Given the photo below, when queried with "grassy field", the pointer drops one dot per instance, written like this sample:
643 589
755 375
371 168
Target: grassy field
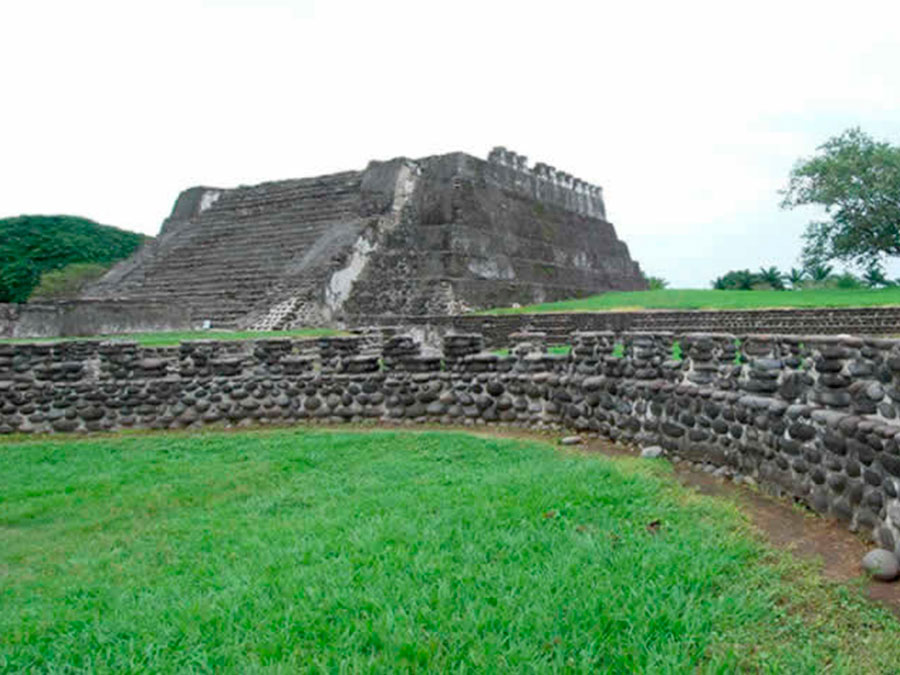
710 299
283 550
173 338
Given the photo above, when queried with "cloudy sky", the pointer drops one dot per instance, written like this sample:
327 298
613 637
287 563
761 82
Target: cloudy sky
689 114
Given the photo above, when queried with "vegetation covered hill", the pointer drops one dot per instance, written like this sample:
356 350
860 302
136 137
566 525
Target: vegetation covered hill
32 245
690 298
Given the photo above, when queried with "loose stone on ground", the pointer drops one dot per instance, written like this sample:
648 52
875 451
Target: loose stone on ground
881 564
652 452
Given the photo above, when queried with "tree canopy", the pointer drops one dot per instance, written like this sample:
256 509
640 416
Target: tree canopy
857 181
32 245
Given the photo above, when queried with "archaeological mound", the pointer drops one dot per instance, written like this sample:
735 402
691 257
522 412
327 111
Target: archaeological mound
432 236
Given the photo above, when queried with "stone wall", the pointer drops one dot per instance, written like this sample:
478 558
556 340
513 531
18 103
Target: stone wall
9 317
559 326
545 183
811 417
90 317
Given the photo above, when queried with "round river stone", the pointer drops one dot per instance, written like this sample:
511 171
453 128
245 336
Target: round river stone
881 564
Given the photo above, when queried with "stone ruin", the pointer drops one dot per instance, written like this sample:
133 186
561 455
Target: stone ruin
810 417
432 236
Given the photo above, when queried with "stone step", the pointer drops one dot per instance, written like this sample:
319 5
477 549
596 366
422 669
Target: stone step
234 254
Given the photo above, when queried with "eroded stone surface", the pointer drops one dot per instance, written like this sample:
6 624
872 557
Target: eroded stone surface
435 235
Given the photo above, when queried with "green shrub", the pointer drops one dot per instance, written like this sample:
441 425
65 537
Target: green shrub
738 357
655 283
68 282
847 281
768 278
736 280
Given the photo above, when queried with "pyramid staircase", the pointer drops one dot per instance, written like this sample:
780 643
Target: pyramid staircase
234 252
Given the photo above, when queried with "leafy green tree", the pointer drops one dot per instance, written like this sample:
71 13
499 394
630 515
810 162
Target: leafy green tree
857 181
656 283
32 245
771 276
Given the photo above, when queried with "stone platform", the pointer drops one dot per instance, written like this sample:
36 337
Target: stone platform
436 235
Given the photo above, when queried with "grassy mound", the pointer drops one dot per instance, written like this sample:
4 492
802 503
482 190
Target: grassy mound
712 299
278 550
32 245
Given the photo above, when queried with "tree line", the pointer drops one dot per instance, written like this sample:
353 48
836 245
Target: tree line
856 181
815 276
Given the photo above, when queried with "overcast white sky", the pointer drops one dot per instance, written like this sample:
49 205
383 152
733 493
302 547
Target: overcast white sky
689 114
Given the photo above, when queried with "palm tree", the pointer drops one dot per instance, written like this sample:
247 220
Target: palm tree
874 277
819 272
771 276
796 277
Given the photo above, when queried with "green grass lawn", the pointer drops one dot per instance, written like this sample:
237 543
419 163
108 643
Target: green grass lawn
164 339
282 550
689 298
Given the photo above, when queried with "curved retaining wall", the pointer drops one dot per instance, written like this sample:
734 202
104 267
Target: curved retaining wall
811 417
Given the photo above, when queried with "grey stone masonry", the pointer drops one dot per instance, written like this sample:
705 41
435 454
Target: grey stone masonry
498 329
90 317
544 183
436 235
816 418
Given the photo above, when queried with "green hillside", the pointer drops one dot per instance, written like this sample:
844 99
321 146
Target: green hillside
32 245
